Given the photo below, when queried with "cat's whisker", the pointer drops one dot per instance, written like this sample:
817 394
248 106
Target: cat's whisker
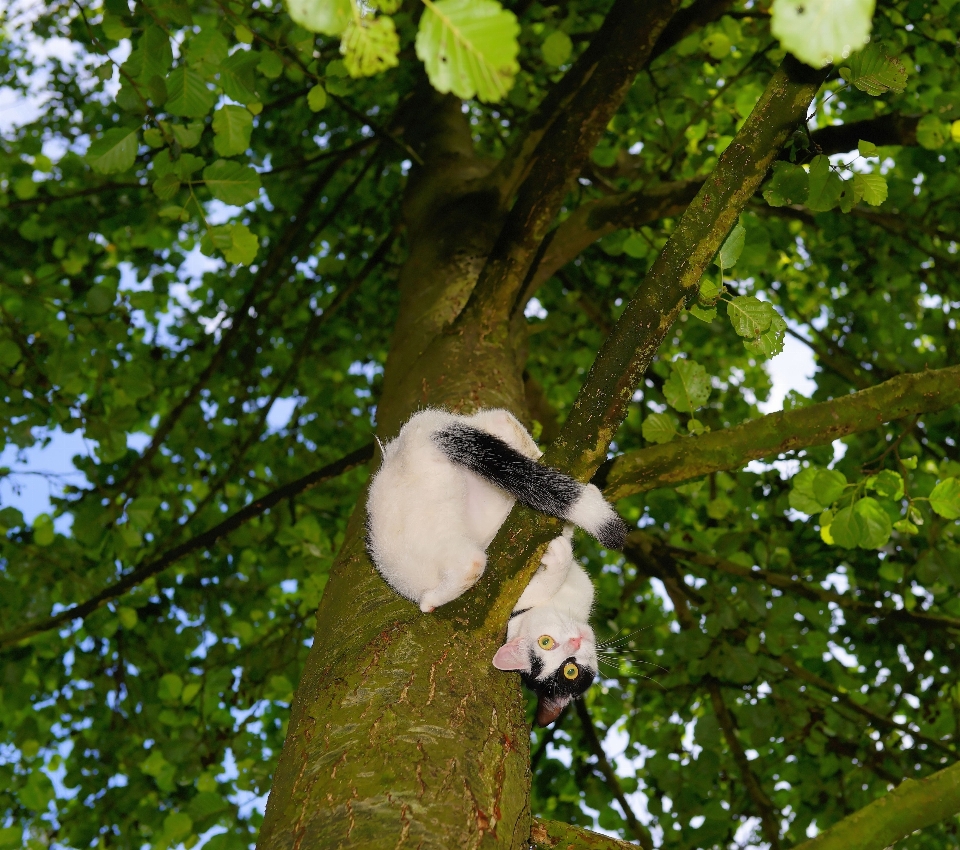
615 640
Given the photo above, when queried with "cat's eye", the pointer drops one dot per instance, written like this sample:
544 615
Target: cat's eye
571 671
546 642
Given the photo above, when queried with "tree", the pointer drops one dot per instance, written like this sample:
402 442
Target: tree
239 245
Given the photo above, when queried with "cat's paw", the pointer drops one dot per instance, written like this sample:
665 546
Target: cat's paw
558 555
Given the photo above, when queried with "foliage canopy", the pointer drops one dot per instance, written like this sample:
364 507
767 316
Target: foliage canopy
237 240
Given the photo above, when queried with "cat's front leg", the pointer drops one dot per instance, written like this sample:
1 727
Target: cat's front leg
554 569
456 581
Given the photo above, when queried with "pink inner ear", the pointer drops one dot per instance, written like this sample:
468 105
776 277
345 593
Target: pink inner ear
512 656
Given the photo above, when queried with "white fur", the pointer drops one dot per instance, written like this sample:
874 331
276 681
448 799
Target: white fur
430 520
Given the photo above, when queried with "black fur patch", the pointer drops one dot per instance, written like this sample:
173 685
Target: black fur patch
611 534
539 487
556 686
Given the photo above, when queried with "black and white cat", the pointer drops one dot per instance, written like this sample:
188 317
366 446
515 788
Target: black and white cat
446 485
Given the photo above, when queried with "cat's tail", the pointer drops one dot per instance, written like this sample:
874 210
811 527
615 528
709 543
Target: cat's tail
539 487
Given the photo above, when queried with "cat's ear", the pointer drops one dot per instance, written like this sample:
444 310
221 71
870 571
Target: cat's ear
549 710
512 656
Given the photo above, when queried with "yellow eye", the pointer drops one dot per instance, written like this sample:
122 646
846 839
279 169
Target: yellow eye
571 671
546 642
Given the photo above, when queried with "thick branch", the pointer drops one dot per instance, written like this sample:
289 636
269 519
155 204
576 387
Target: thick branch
640 832
769 816
625 41
201 541
891 129
732 448
912 805
553 835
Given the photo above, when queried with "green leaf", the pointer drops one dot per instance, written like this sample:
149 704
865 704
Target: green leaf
556 48
846 529
232 126
43 532
732 247
828 486
156 56
789 185
244 245
243 34
127 616
825 185
329 17
704 314
469 47
749 315
187 136
177 826
770 342
802 497
10 354
659 428
888 484
232 182
932 133
875 525
717 45
166 186
206 50
945 498
688 386
114 29
819 32
187 94
237 78
867 148
875 73
114 151
317 98
170 687
370 46
871 187
904 526
11 836
709 292
270 65
892 570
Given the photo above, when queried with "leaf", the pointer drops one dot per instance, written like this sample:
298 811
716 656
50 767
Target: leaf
243 34
749 315
207 48
329 17
244 245
270 65
904 526
114 29
10 354
845 529
127 616
317 98
237 78
469 47
932 133
688 386
867 148
659 428
232 182
819 32
177 826
825 185
556 48
875 73
770 342
828 485
709 291
732 247
945 498
114 151
875 525
187 94
802 497
704 314
43 531
888 484
370 46
187 136
156 56
169 687
871 187
166 186
789 185
232 126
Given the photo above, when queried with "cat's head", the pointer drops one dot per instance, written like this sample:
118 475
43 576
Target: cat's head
556 658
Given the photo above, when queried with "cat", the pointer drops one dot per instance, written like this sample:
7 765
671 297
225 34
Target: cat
446 485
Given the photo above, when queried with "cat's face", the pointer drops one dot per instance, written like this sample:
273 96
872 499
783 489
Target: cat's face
556 659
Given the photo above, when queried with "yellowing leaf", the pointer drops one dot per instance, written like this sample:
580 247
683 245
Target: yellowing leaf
819 32
317 98
369 46
327 16
469 47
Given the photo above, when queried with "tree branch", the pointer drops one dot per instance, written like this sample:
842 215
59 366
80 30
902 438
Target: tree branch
624 43
201 541
640 832
769 816
890 129
912 805
553 835
731 448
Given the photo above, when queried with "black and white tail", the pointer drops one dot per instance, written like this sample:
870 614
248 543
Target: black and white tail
539 487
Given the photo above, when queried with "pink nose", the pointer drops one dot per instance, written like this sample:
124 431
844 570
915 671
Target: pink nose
575 642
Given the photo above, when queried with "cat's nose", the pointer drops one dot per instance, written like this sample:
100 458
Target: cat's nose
575 642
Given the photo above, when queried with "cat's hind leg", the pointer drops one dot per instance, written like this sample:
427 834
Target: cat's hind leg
458 576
